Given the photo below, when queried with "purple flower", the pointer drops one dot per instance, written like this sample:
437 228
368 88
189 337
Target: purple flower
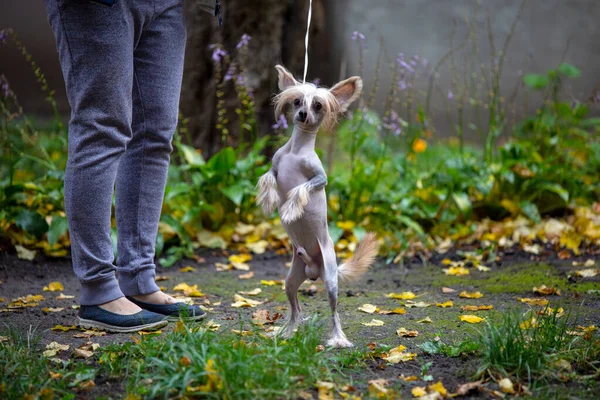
425 62
450 95
218 53
402 85
2 37
240 80
281 123
393 123
356 35
244 41
230 73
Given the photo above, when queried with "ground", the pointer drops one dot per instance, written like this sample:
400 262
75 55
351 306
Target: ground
512 276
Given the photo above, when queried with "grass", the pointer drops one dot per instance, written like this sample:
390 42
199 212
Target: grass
535 347
183 363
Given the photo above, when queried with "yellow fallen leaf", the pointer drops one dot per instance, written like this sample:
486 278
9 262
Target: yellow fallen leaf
254 292
571 240
189 268
86 385
529 324
418 391
467 295
55 375
240 266
397 354
476 308
213 380
191 291
271 283
51 309
532 248
247 276
418 304
446 261
53 348
551 311
63 328
325 390
472 319
546 291
506 386
25 254
401 296
374 322
410 378
150 333
448 303
240 258
242 333
587 273
240 301
80 353
212 326
368 308
447 290
398 310
89 334
457 271
533 302
438 387
406 333
63 296
223 267
258 247
425 320
378 390
483 268
161 278
54 287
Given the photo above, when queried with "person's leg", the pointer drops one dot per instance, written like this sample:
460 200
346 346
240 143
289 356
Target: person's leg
142 173
95 46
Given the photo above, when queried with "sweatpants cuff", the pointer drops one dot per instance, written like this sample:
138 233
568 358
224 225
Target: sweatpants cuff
142 282
99 292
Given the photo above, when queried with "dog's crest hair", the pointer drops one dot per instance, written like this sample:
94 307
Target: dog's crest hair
331 107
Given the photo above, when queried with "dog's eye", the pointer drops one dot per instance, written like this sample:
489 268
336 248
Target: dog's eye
296 102
318 106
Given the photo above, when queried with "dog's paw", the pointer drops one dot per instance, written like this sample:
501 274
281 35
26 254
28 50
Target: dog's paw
267 196
339 342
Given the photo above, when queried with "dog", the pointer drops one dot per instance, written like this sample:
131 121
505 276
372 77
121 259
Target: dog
295 185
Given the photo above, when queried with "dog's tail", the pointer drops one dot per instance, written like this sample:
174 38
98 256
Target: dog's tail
361 260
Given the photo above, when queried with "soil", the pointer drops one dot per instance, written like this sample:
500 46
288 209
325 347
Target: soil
513 276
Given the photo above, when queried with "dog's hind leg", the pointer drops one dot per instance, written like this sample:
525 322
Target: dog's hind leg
330 279
296 275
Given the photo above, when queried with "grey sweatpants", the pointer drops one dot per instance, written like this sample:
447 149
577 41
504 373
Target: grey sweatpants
122 67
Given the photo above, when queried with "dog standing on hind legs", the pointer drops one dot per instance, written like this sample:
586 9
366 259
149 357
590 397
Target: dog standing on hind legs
295 184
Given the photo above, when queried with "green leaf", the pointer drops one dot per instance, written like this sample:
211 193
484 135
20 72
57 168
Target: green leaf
556 188
58 227
430 347
235 193
410 223
531 211
31 222
569 70
359 232
462 202
536 81
191 156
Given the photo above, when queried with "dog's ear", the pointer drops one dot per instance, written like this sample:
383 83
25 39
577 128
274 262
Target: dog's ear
286 79
347 91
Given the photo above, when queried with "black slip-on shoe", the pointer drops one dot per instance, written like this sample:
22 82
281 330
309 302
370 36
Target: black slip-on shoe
91 317
172 311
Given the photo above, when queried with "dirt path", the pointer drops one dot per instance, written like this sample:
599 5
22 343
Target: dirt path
512 277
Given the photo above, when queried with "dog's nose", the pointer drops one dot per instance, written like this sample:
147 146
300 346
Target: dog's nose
302 115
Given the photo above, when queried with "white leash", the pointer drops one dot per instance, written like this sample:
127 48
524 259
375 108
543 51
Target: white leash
306 41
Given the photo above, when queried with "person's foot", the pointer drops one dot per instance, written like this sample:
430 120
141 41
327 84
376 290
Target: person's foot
162 303
121 306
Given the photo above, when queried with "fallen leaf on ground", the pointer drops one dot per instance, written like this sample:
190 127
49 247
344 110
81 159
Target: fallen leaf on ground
476 308
473 295
86 385
80 353
398 310
456 271
271 283
241 333
368 308
583 330
258 247
150 333
254 292
247 276
425 320
189 268
419 304
53 348
551 311
52 309
397 354
406 333
378 390
587 273
263 317
63 296
588 263
529 324
506 386
448 303
483 268
63 328
465 388
325 390
533 302
191 291
401 296
3 339
546 291
374 322
54 287
447 290
25 254
438 387
410 378
472 319
532 248
571 240
89 334
212 326
240 301
161 278
418 391
54 375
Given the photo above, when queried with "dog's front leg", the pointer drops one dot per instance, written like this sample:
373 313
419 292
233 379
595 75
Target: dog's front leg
267 196
293 280
298 197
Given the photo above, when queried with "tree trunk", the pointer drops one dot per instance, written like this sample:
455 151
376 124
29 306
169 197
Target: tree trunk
277 29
